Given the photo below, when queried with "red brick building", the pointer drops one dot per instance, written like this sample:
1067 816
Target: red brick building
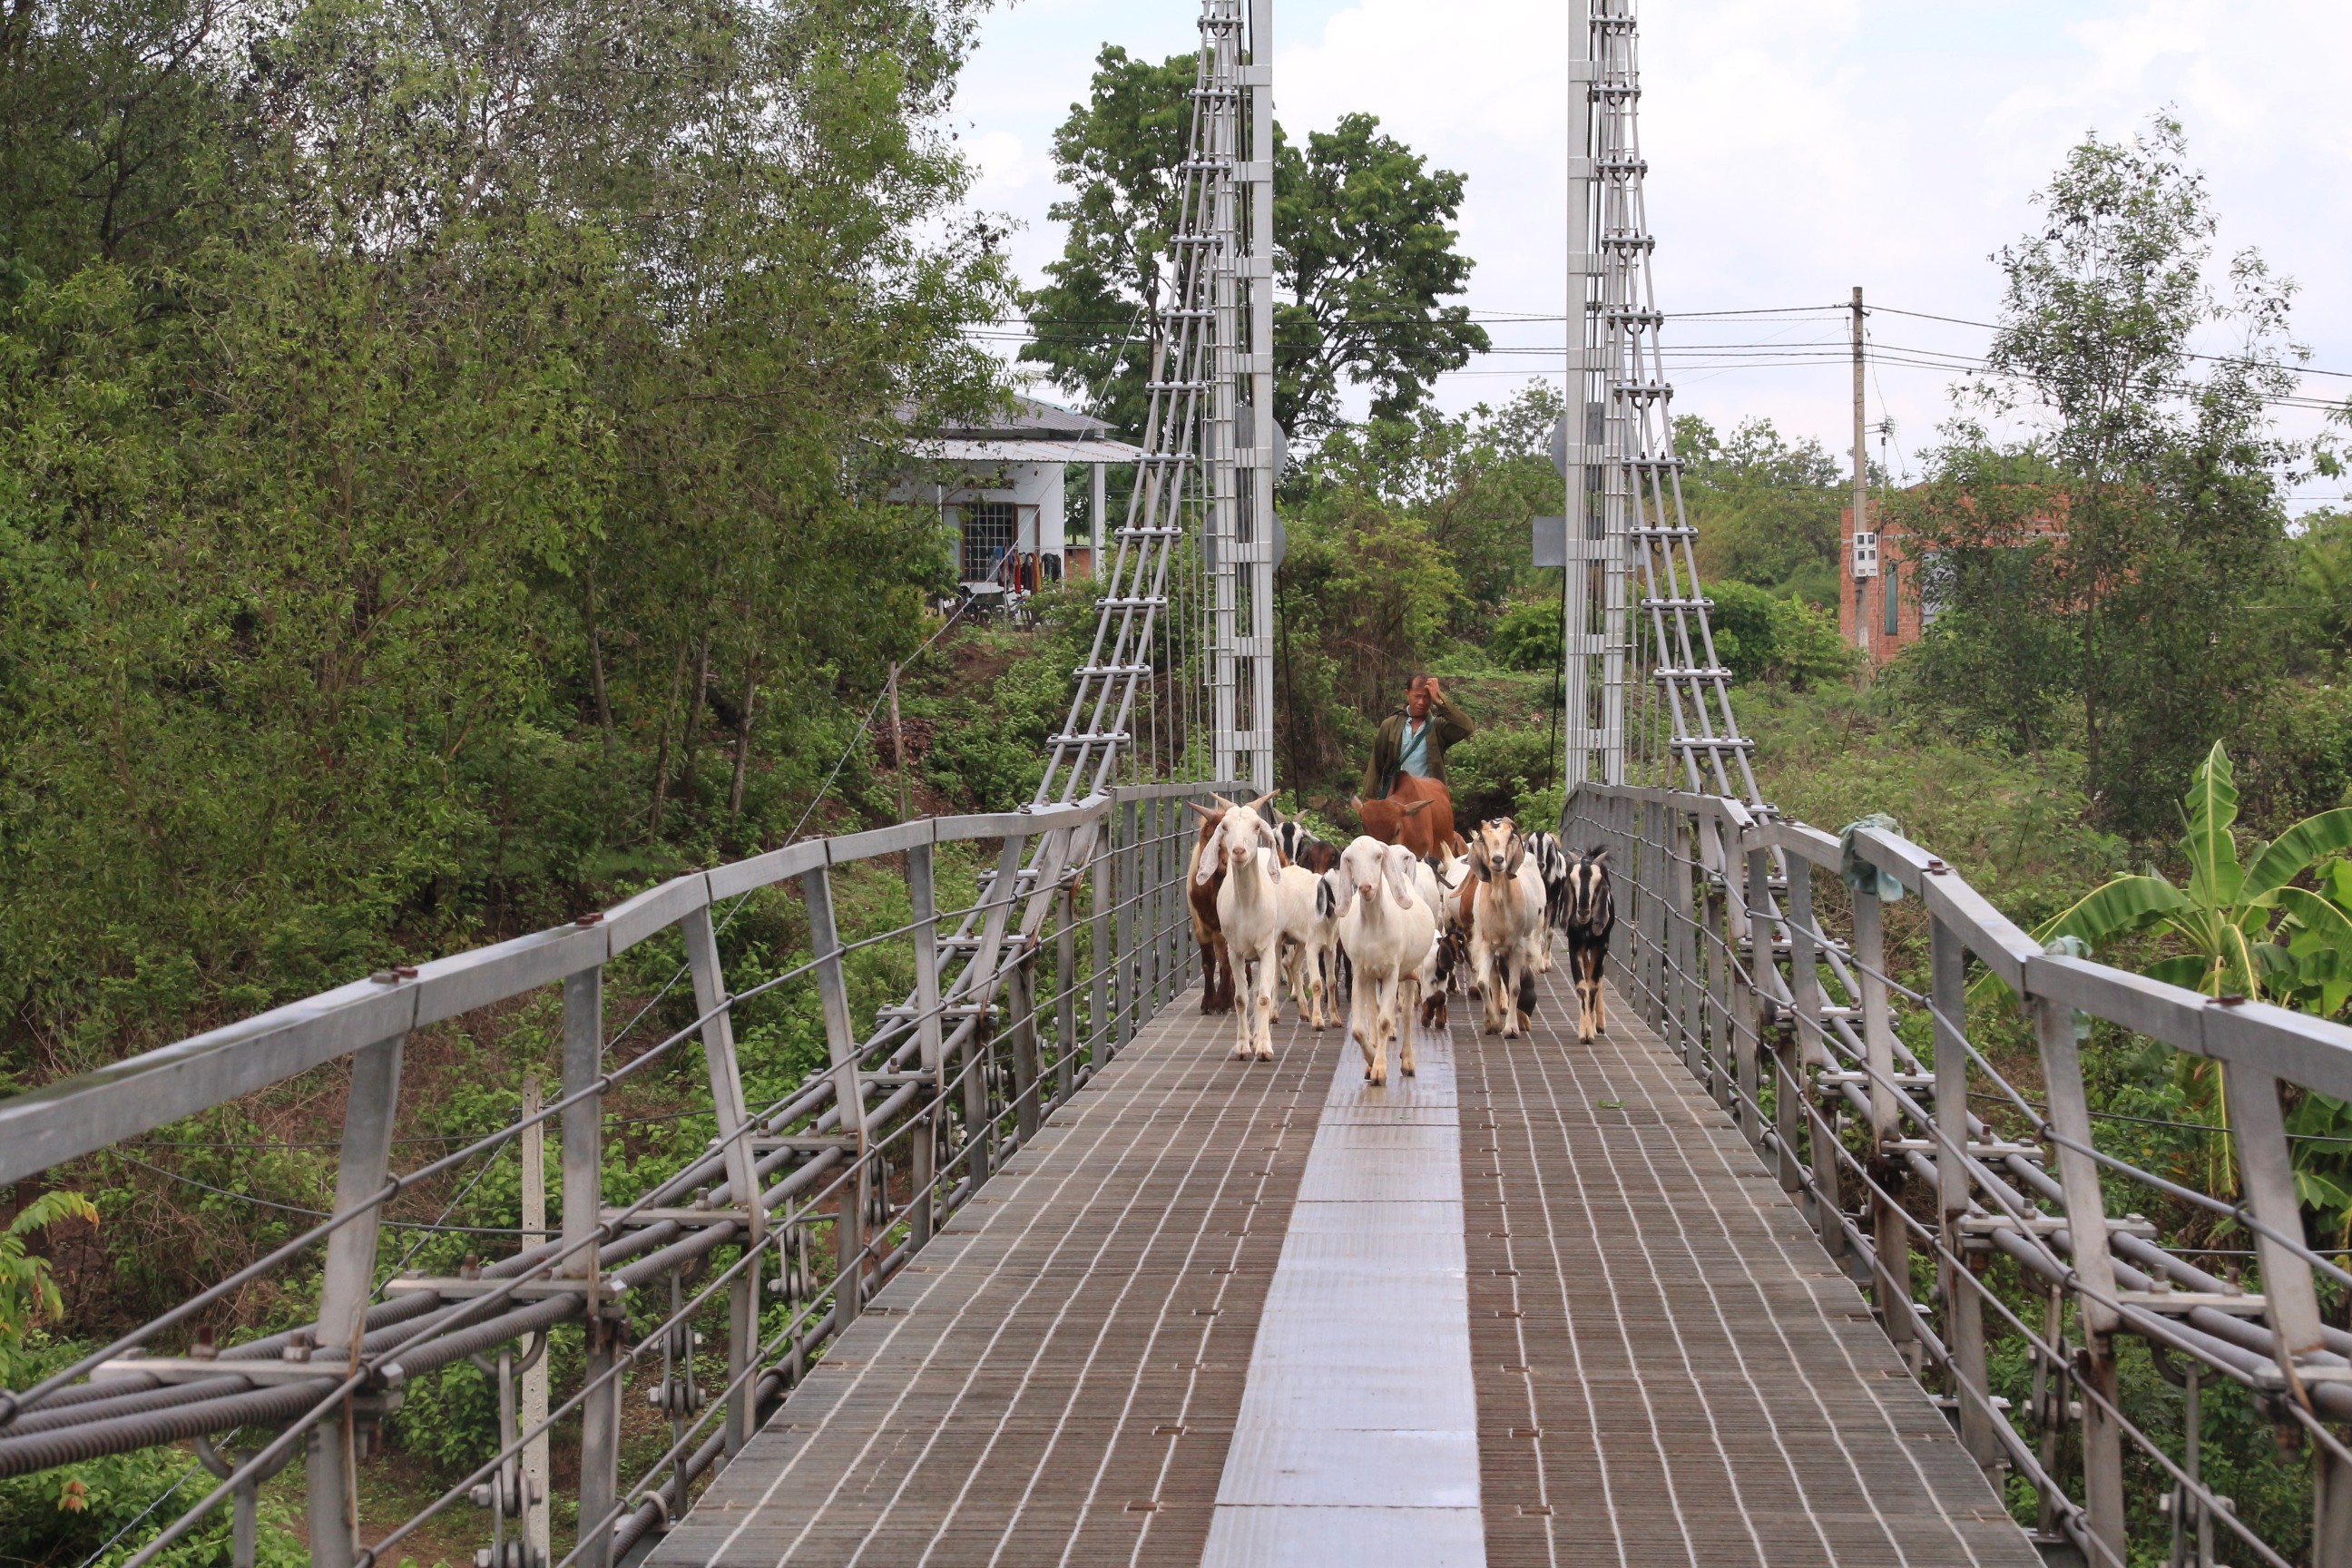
1880 608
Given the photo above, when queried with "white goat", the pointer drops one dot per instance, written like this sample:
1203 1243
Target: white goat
1505 900
1249 914
1306 931
1389 928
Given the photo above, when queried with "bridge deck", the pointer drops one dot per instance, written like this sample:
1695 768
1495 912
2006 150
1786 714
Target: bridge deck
1540 1304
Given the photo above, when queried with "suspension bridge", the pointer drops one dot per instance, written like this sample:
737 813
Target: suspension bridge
1031 1271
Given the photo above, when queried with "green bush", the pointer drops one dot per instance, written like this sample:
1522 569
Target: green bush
1530 637
1494 769
1761 637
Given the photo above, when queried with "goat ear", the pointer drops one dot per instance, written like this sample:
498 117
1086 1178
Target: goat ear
1400 875
1518 854
1478 860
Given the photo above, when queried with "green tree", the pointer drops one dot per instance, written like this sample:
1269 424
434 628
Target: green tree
411 521
1363 240
1766 508
2159 525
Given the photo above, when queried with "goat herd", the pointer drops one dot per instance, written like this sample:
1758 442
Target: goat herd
1398 917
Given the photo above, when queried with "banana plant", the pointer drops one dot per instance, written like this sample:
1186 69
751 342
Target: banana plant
2242 925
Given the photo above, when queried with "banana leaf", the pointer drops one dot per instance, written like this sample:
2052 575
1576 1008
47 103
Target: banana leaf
2211 807
2296 850
2189 970
2123 905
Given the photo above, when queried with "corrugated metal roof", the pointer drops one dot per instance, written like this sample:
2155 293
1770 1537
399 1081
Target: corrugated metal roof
965 450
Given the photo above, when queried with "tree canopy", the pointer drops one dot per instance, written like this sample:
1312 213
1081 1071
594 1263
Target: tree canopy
1363 247
443 458
2106 572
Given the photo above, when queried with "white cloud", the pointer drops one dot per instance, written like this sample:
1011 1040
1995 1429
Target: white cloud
1795 149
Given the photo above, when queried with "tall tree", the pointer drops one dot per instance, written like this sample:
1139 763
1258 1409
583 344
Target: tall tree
368 494
1363 247
2155 525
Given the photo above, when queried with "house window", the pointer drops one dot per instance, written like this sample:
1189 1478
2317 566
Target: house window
1893 601
990 529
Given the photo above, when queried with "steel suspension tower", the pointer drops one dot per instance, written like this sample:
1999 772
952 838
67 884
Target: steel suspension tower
1237 100
1207 472
1633 607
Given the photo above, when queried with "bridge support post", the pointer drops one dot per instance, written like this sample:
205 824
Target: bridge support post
1020 1000
1682 942
1723 923
1126 971
1963 1307
1805 1003
1756 1005
1102 1033
742 1176
1654 922
1890 1239
1152 898
2086 1227
583 1188
848 1096
922 892
1065 994
2331 1520
331 1452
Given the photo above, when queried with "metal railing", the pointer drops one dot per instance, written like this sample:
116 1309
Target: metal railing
1792 1027
1018 1000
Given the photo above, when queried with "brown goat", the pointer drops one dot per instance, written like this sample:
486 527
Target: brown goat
1201 897
1418 813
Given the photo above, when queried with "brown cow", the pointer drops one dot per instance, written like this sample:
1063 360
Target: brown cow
1417 814
1216 964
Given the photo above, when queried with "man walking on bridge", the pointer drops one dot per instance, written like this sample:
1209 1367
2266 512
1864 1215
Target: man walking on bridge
1414 739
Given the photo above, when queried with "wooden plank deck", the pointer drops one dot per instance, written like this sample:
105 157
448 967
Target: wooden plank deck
1666 1368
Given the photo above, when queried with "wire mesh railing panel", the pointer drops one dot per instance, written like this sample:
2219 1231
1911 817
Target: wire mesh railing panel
1980 1216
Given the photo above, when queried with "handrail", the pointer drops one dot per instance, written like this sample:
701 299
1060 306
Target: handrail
943 1088
1736 970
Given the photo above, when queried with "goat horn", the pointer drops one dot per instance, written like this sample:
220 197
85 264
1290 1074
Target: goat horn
1260 801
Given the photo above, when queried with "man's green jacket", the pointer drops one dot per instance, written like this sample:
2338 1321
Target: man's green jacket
1445 727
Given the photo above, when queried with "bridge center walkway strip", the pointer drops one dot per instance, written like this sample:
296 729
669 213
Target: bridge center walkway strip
1669 1368
1055 1379
1358 1440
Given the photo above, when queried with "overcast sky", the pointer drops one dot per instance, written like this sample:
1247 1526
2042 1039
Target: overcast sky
1796 148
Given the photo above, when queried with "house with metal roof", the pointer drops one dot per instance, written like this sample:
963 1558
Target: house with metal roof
1002 487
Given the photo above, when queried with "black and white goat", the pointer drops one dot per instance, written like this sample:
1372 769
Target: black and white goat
1551 859
1591 918
1303 849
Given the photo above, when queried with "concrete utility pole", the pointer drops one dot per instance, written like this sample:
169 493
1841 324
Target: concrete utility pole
1861 483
